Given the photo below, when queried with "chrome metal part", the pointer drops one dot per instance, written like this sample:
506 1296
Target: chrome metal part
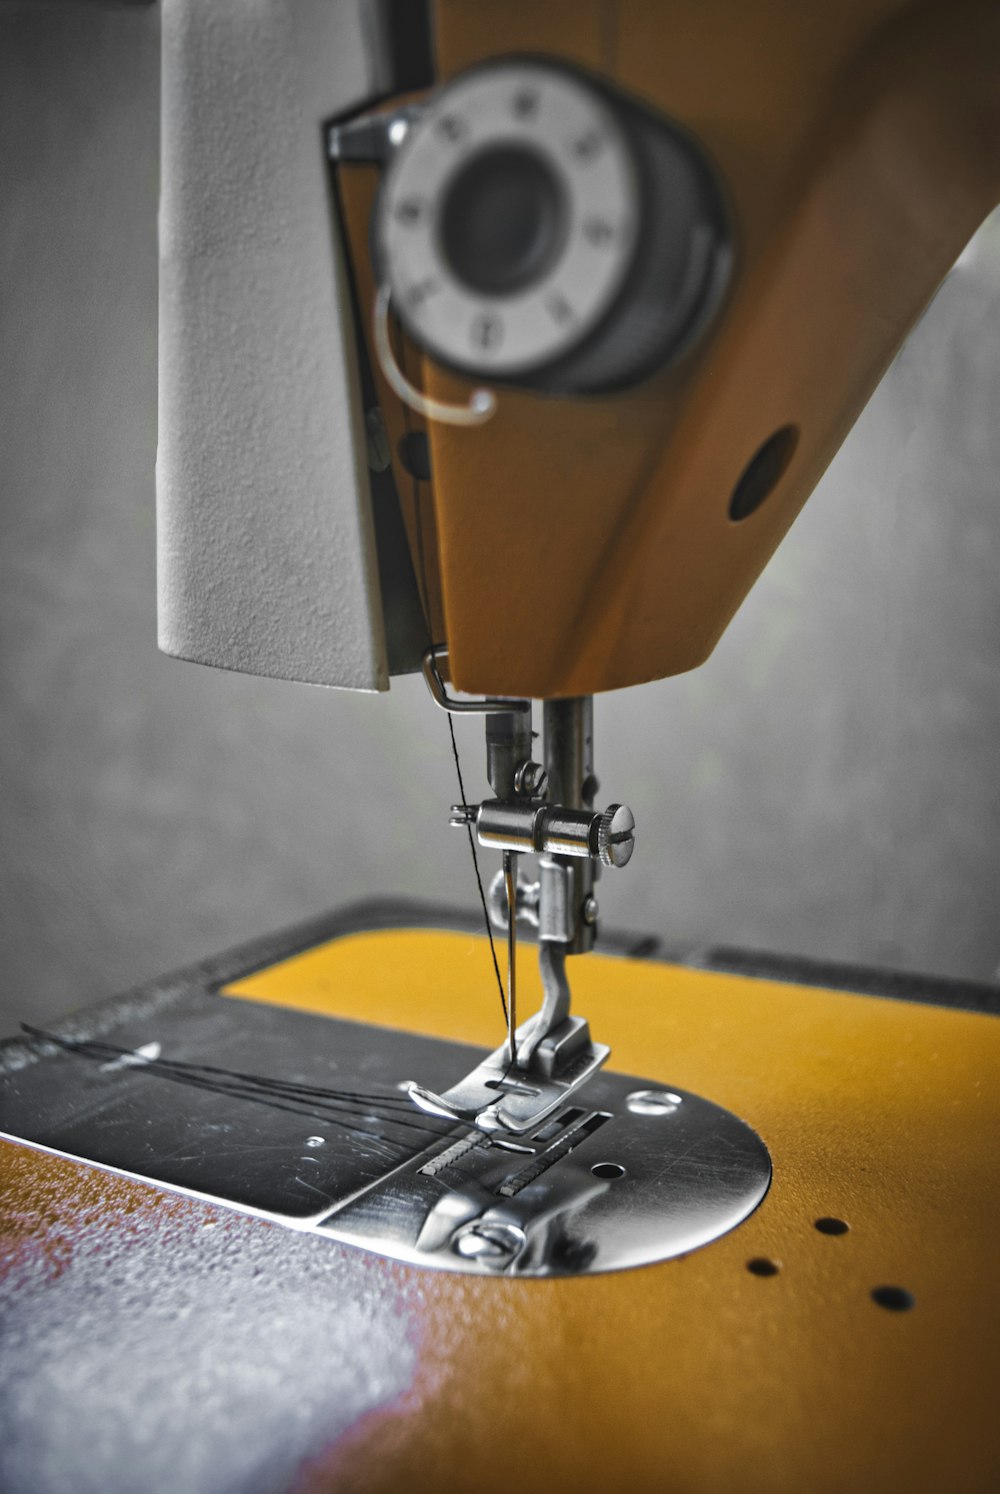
518 825
327 1144
568 726
569 750
509 768
551 1020
552 913
505 825
553 1048
372 138
495 1243
653 1102
527 896
616 836
435 669
530 780
556 901
500 1097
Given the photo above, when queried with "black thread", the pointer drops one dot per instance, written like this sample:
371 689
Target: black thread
425 603
479 880
279 1094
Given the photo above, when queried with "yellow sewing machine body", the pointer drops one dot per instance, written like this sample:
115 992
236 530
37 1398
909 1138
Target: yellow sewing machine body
844 1335
856 145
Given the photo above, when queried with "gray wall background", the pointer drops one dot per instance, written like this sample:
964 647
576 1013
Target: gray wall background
827 784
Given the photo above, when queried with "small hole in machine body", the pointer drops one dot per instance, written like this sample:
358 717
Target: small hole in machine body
894 1298
762 1265
828 1225
763 472
609 1171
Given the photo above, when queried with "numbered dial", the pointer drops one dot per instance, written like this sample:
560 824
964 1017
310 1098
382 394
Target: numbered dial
509 221
538 227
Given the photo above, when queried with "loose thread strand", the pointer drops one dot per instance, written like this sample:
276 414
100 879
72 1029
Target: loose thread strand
425 603
479 880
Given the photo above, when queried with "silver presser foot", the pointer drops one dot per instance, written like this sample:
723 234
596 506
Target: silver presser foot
547 810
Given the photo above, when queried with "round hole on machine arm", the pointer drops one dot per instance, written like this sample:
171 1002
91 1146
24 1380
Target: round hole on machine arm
763 472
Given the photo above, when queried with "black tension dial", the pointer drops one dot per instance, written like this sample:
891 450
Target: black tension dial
538 228
503 220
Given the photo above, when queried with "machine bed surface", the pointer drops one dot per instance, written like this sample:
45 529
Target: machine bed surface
154 1341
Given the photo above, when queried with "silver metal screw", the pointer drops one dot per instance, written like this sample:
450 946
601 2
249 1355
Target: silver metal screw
590 911
616 835
530 779
315 1141
495 1243
653 1102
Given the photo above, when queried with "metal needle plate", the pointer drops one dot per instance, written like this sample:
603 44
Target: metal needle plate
303 1120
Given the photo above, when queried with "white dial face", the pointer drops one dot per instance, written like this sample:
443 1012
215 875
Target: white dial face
508 220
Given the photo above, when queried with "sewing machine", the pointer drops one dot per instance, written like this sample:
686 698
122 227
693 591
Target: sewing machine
505 344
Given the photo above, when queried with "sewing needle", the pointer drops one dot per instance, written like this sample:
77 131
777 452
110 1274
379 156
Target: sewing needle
510 884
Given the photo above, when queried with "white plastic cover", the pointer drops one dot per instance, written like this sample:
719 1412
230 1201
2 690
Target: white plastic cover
267 558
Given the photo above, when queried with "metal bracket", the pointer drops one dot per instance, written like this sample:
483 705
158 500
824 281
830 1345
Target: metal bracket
435 667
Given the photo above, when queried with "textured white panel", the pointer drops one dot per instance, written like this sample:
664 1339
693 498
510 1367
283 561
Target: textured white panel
266 551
